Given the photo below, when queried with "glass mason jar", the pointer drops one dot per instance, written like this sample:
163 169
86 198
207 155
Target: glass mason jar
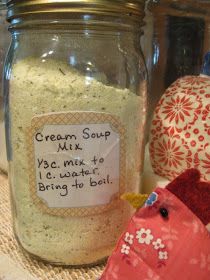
4 43
179 42
75 96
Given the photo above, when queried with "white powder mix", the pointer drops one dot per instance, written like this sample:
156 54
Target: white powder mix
37 88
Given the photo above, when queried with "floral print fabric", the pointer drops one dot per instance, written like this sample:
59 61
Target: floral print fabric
180 130
161 248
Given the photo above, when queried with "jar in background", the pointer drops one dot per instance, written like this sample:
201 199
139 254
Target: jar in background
4 43
179 43
75 96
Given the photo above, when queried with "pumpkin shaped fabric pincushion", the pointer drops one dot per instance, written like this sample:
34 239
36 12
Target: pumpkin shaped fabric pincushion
180 131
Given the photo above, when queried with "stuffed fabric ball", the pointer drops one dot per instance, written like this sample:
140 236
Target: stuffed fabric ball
180 131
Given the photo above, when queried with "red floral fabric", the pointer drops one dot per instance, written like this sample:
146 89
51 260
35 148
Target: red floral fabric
161 247
180 131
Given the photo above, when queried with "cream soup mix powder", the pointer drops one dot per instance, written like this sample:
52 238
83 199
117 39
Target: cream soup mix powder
39 89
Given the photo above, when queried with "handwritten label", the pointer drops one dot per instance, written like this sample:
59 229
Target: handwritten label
76 165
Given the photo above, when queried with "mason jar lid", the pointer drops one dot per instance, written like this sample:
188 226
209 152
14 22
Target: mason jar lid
24 8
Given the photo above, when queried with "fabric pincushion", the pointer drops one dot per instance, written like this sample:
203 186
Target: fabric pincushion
167 238
180 129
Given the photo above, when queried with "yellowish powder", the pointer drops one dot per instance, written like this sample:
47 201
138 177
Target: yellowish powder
53 86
